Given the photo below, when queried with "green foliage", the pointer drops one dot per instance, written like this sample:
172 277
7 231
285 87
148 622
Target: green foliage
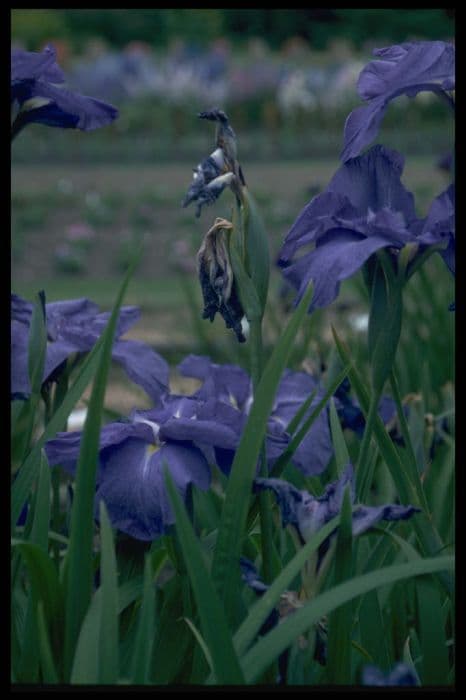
92 606
159 27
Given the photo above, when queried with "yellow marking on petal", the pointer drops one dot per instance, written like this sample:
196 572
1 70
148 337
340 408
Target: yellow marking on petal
34 103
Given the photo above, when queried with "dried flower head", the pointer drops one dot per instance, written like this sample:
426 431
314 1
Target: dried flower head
217 281
220 169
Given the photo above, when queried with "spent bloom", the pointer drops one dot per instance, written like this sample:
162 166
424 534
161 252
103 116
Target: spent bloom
220 169
308 514
403 69
74 326
181 434
217 281
37 95
364 208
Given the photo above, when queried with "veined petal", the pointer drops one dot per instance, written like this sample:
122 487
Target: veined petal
338 255
143 366
132 485
404 69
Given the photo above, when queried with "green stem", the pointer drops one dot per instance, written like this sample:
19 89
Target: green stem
265 507
407 440
50 409
365 467
264 498
255 343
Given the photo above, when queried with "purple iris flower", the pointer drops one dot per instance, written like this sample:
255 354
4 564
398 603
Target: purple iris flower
403 69
232 387
308 514
364 208
401 674
74 326
351 417
181 434
37 94
250 576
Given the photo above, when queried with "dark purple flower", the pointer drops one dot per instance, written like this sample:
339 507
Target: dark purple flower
38 96
232 387
251 577
446 163
403 69
181 434
440 225
401 674
364 208
74 326
308 514
352 418
288 604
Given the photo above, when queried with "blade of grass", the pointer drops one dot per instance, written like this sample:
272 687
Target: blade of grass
280 638
40 524
85 669
80 550
200 641
49 672
340 620
142 654
37 348
43 578
225 567
30 467
108 631
263 606
214 625
432 638
341 451
429 538
299 415
29 662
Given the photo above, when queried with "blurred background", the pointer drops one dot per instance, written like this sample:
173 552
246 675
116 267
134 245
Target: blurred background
286 78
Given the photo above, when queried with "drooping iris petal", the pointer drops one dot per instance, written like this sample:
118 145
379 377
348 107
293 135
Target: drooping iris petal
337 256
19 375
133 489
369 209
36 89
231 384
143 366
232 387
365 517
439 226
64 448
308 513
74 326
28 65
288 497
315 451
132 457
403 69
21 310
325 211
